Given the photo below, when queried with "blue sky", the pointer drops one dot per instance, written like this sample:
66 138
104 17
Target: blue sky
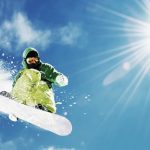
103 47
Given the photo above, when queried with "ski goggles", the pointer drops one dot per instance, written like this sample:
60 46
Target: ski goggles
32 60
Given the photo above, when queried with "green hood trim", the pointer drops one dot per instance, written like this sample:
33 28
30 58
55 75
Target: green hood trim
25 53
28 50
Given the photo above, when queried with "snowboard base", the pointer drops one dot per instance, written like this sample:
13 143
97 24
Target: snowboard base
48 121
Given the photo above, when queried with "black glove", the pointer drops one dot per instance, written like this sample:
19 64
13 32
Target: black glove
43 75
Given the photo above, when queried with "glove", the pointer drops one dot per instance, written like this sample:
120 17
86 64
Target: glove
43 76
61 80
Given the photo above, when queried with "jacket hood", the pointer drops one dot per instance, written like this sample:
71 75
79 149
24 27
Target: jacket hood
28 52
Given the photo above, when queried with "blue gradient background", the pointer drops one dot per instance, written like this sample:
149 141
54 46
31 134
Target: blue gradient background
99 121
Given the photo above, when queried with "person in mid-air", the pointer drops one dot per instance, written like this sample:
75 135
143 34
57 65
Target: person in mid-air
33 84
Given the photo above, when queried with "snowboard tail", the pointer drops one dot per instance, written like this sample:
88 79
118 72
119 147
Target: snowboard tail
51 122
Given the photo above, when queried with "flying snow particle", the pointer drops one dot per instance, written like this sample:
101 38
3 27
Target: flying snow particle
59 103
65 113
72 97
86 97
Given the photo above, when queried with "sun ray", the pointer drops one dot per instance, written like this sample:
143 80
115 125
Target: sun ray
140 74
125 47
139 31
136 52
133 60
119 54
121 15
136 85
131 30
143 111
121 99
143 4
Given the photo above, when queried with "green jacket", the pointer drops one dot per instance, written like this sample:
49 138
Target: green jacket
48 72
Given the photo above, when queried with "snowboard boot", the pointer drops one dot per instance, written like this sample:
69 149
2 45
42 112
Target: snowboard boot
6 94
41 107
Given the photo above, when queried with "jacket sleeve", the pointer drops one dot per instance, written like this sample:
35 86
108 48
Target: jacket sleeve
17 77
49 73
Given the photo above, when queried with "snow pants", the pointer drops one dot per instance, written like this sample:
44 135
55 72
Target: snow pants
30 90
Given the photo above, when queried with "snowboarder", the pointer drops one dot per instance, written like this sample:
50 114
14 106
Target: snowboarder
33 84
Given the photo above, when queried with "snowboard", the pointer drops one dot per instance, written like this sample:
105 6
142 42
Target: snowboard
48 121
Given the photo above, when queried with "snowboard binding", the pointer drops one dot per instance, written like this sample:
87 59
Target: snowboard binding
41 107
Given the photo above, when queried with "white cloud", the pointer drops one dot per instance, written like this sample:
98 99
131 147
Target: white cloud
15 144
54 148
27 34
20 31
7 145
5 78
70 34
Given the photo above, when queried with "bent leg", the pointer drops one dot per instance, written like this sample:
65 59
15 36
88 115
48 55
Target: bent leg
46 99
